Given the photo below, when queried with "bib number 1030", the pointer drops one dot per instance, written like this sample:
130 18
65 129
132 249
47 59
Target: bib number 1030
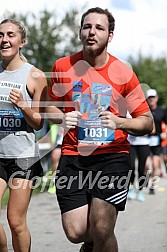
10 122
96 132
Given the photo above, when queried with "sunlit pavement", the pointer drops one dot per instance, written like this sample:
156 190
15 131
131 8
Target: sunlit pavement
141 228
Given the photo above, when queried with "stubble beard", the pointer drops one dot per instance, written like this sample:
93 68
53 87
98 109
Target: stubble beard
94 51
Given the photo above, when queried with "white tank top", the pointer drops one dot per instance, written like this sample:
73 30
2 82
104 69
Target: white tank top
17 138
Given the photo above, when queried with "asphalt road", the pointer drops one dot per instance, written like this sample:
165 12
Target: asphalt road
142 227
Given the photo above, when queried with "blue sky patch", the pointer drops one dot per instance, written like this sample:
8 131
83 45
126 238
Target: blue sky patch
122 4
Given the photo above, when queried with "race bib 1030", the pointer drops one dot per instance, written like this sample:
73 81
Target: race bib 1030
11 121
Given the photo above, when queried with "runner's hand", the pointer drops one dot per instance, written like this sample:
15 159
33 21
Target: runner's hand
16 98
71 119
109 120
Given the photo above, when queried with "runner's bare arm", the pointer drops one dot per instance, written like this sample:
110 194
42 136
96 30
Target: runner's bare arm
37 87
140 125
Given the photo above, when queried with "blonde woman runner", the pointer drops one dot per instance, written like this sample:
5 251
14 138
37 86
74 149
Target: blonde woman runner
22 88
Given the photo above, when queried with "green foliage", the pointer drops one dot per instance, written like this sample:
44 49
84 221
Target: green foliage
5 198
153 72
71 42
48 36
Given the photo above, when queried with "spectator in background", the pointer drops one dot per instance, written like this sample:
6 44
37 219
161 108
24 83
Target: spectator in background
139 151
164 145
155 138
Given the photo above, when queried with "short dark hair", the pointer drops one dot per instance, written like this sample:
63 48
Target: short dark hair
99 10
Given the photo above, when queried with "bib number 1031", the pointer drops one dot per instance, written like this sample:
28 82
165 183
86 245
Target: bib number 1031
96 132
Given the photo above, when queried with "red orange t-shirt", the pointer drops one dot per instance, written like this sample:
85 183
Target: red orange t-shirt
75 85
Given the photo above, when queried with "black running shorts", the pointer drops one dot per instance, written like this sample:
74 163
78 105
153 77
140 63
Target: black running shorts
25 168
105 176
156 150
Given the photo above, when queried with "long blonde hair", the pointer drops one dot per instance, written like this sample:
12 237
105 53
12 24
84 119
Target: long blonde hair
22 32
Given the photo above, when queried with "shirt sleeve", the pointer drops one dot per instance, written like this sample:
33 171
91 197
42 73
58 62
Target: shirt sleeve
135 98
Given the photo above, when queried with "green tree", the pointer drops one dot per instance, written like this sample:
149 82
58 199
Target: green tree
152 72
71 36
48 36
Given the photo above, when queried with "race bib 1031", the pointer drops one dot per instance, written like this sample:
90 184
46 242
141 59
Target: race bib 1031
92 132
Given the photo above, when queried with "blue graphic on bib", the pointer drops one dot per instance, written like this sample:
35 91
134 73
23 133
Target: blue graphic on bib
97 88
76 96
12 121
92 101
77 86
